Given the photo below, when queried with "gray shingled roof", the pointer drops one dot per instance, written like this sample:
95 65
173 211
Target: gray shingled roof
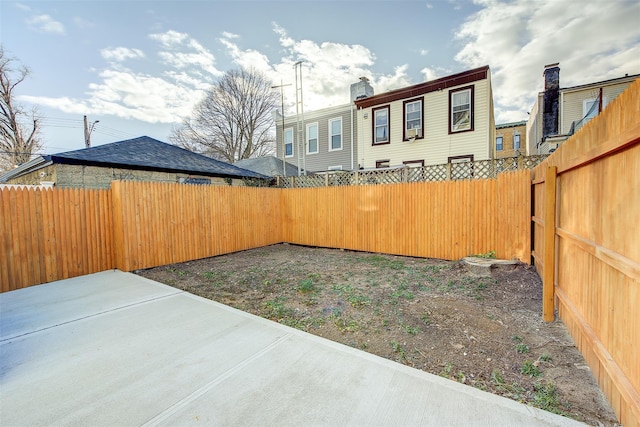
268 165
150 154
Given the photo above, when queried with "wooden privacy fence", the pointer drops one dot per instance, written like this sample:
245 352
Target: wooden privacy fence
587 246
54 234
158 224
446 220
50 235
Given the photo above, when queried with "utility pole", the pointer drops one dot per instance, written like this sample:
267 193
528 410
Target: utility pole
284 145
302 144
87 131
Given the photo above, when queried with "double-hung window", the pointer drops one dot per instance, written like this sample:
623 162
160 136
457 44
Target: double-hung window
461 110
413 118
516 141
499 146
381 125
312 138
288 142
335 134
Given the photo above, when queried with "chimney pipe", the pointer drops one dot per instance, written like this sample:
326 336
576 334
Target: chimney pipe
550 108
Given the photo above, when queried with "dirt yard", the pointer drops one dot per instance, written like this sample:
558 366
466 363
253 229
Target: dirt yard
438 316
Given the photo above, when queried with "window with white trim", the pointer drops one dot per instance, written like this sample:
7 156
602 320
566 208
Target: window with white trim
312 138
461 110
516 141
498 143
381 125
335 168
288 142
335 134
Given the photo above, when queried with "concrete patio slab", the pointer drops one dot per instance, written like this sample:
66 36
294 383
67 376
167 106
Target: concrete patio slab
114 348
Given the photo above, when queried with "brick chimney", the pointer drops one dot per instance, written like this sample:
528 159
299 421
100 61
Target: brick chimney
550 109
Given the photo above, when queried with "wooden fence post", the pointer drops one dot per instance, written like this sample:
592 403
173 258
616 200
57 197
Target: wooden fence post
548 271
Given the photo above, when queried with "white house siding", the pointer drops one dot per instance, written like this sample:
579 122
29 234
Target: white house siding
437 145
323 159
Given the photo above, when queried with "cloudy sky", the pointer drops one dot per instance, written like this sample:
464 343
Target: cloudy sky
137 66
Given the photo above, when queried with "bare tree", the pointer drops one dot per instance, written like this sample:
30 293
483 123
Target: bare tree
233 122
19 129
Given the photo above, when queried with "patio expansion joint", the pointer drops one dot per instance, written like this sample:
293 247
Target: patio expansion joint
101 313
186 401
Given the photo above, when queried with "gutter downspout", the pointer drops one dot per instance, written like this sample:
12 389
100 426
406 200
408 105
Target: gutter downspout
361 137
353 114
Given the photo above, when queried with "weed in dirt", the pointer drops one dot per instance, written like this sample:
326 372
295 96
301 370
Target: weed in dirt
545 357
399 349
425 319
516 338
522 348
546 397
307 286
446 371
411 330
276 310
380 261
487 255
346 325
403 293
355 298
528 368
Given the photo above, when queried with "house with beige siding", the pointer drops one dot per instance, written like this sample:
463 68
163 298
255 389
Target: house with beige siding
560 112
446 120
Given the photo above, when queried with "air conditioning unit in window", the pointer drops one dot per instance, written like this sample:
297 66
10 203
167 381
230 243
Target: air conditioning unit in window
414 133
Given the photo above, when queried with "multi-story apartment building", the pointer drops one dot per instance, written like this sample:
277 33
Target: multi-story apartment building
511 139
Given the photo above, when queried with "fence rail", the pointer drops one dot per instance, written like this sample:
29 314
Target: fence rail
482 169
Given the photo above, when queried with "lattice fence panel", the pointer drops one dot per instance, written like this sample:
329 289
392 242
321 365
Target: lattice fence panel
462 170
484 169
435 173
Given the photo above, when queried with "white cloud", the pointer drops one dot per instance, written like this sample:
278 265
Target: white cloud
595 41
45 24
164 98
120 54
434 73
328 69
132 96
183 52
228 35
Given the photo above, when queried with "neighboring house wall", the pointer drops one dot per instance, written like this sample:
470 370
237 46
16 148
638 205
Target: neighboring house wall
79 176
437 143
510 133
46 174
572 101
572 108
325 156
